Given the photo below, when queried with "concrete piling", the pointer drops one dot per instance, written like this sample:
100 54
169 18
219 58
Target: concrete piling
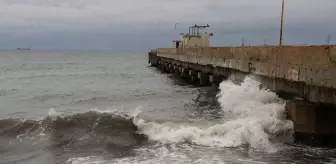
203 78
192 76
184 72
215 79
313 123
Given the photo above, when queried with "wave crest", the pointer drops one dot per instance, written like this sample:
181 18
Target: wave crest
256 119
73 130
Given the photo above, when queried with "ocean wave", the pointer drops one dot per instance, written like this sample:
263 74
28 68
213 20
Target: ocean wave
77 131
256 119
251 117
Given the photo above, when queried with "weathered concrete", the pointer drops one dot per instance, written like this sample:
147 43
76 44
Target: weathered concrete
314 123
312 68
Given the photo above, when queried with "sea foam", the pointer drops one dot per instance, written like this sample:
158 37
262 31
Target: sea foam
256 117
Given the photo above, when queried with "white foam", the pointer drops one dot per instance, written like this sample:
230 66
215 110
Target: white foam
87 160
256 116
160 154
119 112
53 114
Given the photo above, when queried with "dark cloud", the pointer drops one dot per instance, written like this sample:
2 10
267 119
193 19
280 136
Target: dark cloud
134 24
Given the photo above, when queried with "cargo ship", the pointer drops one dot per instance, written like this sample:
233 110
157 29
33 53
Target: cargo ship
24 49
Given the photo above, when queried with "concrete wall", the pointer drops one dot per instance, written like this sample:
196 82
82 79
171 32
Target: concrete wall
313 65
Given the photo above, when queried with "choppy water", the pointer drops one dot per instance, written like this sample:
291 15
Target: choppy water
96 107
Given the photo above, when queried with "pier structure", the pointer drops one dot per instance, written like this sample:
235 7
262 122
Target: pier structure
307 72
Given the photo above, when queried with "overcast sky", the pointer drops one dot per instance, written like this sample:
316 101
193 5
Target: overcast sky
145 24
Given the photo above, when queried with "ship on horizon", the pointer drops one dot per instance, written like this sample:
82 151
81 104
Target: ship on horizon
24 48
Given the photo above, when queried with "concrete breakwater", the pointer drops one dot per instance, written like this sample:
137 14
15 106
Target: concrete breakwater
308 72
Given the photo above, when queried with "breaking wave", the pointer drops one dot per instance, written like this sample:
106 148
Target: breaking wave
256 120
101 130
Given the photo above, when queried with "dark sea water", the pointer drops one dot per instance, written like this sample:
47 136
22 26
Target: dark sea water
100 107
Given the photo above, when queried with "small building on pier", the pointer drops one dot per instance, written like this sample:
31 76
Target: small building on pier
194 38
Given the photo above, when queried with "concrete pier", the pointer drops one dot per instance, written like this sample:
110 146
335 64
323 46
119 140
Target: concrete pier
314 123
308 72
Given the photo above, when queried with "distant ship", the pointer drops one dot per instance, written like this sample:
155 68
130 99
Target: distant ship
24 48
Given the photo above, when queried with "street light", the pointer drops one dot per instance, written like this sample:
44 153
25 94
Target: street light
281 24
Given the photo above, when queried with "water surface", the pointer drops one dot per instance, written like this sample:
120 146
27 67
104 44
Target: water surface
85 107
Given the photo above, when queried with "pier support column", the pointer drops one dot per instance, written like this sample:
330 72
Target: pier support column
170 68
176 69
193 76
314 124
214 79
159 66
184 72
180 70
164 66
203 78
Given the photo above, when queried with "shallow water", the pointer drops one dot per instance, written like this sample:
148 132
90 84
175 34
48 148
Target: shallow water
101 107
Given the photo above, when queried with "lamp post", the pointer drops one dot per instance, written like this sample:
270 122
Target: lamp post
328 39
174 33
281 24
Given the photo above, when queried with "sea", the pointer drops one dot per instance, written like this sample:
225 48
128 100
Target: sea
110 107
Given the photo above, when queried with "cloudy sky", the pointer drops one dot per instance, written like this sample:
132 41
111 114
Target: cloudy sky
145 24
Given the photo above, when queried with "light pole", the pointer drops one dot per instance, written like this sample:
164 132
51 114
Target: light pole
281 24
328 39
174 33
